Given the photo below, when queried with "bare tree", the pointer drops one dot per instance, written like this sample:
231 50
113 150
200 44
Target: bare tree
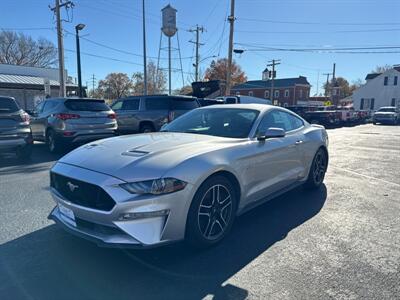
21 49
381 69
156 80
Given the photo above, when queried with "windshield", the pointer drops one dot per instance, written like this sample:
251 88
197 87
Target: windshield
8 105
87 105
387 109
231 123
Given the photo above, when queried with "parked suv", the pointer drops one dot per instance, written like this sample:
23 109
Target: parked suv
15 133
62 122
149 113
388 114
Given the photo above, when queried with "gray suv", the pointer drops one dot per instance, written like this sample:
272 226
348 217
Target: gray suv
150 113
61 122
15 133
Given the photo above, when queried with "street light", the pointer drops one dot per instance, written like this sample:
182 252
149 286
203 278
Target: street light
78 57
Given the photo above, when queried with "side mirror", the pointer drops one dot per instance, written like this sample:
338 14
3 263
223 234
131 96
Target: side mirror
271 133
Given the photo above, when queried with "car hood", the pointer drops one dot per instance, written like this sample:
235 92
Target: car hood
143 156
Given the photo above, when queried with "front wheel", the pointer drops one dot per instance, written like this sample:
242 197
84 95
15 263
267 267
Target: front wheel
211 213
318 169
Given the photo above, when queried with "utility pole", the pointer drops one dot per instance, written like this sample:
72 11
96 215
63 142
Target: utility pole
61 67
327 84
198 44
169 65
144 53
93 80
78 57
231 20
272 64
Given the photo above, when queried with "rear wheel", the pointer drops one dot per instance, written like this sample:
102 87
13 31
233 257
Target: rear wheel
318 168
53 143
211 213
145 128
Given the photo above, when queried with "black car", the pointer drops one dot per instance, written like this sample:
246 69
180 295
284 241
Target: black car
15 132
150 113
208 102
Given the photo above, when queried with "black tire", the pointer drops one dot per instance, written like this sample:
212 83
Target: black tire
209 220
317 171
145 128
53 144
24 153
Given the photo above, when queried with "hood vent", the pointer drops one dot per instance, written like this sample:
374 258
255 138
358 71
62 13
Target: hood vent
135 153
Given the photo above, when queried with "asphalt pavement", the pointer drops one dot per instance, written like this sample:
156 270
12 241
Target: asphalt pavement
340 242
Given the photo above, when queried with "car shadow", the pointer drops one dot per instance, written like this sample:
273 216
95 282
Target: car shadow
51 264
40 155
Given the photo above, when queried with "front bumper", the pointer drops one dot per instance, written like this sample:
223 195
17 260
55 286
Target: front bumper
106 227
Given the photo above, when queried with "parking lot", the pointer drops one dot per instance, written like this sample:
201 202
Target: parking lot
340 242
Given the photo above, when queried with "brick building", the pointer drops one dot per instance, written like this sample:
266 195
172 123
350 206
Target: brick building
287 91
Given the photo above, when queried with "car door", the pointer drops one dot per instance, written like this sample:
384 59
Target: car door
274 163
35 120
126 110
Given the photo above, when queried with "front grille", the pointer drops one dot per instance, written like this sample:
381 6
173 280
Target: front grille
81 193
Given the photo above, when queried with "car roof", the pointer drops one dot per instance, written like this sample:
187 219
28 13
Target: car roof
254 106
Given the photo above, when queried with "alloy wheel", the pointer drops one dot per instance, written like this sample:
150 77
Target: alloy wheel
319 167
215 212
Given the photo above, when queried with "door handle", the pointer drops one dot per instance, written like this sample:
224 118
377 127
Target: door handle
298 142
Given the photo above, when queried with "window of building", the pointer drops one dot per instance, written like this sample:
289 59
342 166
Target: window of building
250 93
362 103
393 102
276 93
266 94
301 94
395 80
276 102
285 104
286 93
237 93
372 103
385 82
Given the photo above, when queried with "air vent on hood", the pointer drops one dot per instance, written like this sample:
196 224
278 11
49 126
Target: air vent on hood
135 153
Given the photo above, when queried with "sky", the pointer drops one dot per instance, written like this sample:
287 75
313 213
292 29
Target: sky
264 29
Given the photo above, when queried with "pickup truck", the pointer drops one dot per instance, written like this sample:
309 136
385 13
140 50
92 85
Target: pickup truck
327 118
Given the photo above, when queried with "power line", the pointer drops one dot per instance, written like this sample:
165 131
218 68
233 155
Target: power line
26 28
319 32
317 23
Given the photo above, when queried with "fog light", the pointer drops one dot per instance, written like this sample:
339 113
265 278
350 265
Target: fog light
143 215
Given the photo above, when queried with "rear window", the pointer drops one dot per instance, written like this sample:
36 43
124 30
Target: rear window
184 104
8 105
230 100
87 105
387 109
155 103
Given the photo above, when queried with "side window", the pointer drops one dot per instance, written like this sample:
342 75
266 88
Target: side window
296 122
39 107
131 104
182 104
276 119
117 105
155 103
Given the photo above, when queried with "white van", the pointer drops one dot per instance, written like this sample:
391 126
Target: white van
243 99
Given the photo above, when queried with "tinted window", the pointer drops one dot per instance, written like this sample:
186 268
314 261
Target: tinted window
183 104
387 109
86 105
117 105
131 104
233 123
279 119
230 100
8 105
155 103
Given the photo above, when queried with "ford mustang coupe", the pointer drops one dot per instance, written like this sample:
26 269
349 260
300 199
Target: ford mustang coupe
188 181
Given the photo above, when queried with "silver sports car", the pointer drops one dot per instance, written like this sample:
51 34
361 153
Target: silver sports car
188 181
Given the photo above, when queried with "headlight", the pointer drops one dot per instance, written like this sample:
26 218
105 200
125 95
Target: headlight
155 187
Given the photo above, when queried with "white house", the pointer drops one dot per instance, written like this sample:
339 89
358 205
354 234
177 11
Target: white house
380 90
